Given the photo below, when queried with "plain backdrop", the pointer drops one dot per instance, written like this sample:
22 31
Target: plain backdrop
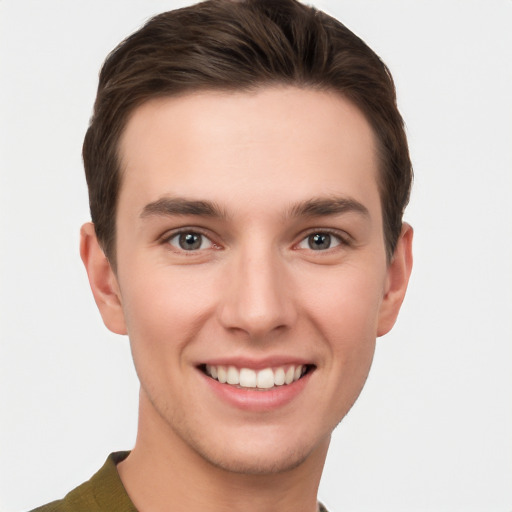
432 430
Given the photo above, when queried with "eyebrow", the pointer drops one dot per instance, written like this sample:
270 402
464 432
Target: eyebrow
168 206
318 207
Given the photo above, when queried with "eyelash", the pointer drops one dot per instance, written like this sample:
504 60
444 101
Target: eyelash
342 240
166 240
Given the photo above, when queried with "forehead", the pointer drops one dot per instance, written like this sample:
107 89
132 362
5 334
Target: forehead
276 145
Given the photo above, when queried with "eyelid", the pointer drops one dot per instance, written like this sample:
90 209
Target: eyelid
173 233
342 237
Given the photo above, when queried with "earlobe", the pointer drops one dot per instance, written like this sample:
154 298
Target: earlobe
102 280
398 273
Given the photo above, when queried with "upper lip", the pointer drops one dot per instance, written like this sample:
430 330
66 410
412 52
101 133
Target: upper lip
256 364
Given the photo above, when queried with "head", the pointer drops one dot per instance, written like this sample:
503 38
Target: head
227 45
248 171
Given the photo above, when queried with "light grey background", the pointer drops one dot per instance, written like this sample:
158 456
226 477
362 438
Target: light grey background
432 430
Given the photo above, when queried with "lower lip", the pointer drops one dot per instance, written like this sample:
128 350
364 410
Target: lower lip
252 399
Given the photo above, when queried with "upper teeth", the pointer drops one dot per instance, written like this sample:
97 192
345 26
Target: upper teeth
262 379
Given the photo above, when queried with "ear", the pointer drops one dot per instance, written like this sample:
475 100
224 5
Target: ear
102 279
398 273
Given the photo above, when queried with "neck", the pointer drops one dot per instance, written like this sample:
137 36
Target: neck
164 473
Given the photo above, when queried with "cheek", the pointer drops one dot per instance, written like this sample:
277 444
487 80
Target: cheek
164 310
346 310
346 316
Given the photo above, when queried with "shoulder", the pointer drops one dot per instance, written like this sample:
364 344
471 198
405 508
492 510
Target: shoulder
81 499
55 506
104 492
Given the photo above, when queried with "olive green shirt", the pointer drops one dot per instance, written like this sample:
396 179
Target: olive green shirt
104 492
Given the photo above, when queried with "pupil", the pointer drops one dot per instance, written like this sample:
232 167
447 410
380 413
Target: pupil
319 241
190 241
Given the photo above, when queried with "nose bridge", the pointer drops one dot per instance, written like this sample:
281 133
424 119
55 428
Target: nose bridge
257 299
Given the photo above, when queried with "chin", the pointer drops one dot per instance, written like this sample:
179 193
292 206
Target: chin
256 462
239 447
254 452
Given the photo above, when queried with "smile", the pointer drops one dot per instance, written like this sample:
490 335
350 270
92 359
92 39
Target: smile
266 378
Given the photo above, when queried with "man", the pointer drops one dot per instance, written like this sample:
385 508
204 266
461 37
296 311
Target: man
247 171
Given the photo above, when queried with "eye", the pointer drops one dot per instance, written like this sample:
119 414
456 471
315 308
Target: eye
320 241
190 241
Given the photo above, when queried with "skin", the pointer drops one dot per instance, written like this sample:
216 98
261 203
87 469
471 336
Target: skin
254 291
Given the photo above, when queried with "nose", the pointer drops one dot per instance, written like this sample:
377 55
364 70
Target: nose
257 297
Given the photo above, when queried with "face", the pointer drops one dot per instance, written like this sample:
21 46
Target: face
251 270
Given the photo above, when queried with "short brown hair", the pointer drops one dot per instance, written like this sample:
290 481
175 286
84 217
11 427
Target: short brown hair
242 45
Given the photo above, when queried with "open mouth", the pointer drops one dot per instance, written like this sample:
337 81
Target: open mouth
266 378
